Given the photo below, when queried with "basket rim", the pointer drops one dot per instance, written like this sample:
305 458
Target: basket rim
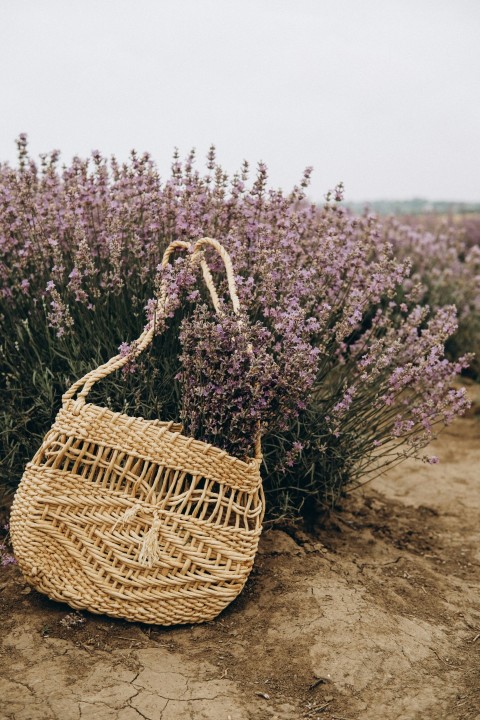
203 447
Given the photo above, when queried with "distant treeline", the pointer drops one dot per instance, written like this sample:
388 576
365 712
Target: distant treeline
416 206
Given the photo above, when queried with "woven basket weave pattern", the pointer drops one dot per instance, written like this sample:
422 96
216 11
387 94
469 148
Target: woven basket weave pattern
74 543
130 518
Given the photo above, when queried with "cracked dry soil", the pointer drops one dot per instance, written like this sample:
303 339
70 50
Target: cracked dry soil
374 616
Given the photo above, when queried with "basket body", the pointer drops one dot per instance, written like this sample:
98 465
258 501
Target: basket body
129 518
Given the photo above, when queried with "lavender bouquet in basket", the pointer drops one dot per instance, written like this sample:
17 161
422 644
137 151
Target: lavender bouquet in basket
238 378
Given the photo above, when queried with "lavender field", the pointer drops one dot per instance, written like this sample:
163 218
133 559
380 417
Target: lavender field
355 349
359 325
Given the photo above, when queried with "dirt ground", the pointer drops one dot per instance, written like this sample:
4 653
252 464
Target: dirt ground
375 617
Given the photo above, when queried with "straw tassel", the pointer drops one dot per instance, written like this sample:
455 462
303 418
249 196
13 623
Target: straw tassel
150 551
130 513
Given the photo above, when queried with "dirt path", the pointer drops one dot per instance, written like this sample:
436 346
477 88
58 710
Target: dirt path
377 617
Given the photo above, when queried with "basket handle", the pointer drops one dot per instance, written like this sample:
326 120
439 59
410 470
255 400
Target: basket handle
118 361
207 275
142 342
232 287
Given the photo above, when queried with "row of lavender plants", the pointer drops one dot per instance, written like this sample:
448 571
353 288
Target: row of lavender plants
445 257
348 374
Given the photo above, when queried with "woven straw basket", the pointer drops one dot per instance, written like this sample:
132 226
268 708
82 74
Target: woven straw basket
130 518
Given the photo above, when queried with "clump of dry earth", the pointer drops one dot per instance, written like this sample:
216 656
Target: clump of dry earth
374 616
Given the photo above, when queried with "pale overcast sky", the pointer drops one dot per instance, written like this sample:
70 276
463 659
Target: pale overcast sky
382 94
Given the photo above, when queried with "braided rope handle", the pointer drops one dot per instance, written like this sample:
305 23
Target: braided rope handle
207 275
232 288
144 340
118 361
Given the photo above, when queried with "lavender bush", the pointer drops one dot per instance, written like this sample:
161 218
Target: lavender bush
240 380
350 364
445 260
